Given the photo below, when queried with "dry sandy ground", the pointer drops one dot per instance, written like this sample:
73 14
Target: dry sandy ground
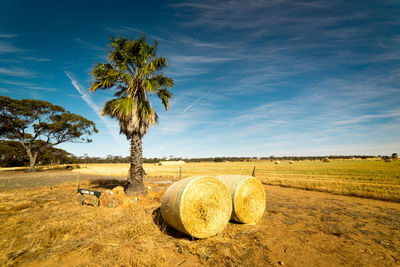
305 228
299 228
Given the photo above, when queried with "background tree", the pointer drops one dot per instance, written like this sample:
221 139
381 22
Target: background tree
39 125
134 71
12 154
54 155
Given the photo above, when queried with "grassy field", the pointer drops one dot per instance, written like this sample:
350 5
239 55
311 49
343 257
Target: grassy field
41 223
365 178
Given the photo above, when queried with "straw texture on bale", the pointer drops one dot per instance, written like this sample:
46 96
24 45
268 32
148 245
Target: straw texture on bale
248 197
199 206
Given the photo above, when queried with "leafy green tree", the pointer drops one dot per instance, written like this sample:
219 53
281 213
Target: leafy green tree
39 125
134 71
54 155
11 154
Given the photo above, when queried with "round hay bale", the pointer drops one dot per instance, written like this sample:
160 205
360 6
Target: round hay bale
248 197
199 206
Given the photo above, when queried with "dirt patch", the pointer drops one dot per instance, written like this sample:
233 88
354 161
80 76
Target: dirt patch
312 228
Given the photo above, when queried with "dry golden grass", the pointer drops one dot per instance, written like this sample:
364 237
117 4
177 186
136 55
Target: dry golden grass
365 178
108 169
46 227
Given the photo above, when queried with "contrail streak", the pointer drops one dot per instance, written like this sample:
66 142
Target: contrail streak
86 97
195 102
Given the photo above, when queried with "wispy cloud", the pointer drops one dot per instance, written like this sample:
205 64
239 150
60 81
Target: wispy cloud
129 31
206 6
319 113
187 40
90 45
182 59
9 48
3 35
186 72
85 96
366 118
27 85
175 122
17 72
38 59
111 126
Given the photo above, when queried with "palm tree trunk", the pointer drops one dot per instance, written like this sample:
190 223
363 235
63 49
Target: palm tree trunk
136 172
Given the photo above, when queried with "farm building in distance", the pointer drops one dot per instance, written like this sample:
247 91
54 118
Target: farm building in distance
172 162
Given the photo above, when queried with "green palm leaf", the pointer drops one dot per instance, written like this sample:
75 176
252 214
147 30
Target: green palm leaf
134 72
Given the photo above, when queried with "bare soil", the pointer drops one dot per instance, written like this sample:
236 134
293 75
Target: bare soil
44 226
305 228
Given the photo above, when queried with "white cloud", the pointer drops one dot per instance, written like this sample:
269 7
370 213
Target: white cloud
9 48
111 126
181 59
368 117
17 72
27 85
3 35
129 31
37 59
187 40
91 46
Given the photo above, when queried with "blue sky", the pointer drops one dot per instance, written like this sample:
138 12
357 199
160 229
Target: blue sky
253 78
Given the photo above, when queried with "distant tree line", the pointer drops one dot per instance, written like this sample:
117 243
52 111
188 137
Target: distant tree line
13 154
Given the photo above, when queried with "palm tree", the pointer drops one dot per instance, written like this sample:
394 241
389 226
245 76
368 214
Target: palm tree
134 72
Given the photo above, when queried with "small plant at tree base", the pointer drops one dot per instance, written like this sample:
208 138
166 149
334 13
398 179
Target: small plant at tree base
134 71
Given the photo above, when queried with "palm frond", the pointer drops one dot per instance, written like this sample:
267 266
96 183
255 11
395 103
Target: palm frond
120 108
163 81
165 96
155 65
133 71
106 76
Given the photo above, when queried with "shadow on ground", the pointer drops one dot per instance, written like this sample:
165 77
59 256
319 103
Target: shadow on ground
162 225
108 183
